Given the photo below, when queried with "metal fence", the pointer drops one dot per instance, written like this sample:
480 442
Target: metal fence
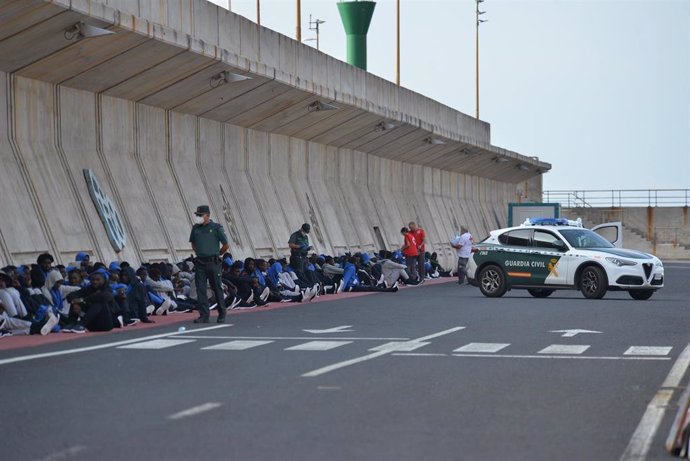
618 198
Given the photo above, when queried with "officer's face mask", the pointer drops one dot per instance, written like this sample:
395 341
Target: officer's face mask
198 219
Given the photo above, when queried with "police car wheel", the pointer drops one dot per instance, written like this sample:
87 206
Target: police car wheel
540 293
492 282
593 282
641 295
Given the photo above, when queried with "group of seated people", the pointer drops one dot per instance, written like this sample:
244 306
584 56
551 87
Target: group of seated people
84 296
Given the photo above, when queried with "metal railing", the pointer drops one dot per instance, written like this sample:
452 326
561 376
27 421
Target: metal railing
618 198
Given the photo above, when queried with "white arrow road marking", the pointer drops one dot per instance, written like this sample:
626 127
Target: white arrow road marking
340 329
573 332
364 358
196 410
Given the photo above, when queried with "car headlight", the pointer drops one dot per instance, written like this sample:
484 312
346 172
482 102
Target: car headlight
659 264
621 262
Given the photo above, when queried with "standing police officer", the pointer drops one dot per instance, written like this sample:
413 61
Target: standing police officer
206 238
299 247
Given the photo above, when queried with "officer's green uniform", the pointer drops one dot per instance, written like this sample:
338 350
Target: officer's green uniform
208 240
298 256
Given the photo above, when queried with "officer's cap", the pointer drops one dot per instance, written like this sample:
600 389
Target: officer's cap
202 210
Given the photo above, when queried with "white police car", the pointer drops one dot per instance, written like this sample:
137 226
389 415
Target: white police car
544 255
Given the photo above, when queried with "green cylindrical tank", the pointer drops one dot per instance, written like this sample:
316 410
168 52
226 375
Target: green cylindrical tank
356 17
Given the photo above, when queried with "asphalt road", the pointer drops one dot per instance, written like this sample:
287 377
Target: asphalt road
387 383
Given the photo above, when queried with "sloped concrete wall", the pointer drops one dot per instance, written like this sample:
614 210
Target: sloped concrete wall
158 165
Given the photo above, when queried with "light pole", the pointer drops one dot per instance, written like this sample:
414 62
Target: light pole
258 12
315 25
476 55
298 36
397 42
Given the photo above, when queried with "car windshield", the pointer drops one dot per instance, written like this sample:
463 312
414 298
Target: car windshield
585 238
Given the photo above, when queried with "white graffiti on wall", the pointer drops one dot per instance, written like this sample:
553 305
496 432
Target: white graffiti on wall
107 211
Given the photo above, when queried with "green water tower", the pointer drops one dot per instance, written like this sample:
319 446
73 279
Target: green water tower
356 17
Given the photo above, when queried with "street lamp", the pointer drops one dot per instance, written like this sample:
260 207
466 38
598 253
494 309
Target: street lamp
476 54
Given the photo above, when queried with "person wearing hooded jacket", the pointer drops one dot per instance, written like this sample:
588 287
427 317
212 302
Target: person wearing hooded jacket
97 303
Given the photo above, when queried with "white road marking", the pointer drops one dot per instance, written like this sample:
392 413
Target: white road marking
642 438
572 333
340 329
318 346
486 348
64 454
679 368
157 344
297 338
195 410
235 346
25 358
570 357
364 358
400 346
647 350
508 356
563 349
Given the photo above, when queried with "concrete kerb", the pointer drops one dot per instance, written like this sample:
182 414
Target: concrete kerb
678 436
23 342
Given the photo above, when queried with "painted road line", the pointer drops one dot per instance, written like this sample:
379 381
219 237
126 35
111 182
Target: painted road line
157 344
569 357
642 438
67 453
235 345
296 338
516 356
195 410
25 358
563 349
400 346
318 346
679 368
647 350
373 355
487 348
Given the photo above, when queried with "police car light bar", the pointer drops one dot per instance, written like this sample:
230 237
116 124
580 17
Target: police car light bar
552 222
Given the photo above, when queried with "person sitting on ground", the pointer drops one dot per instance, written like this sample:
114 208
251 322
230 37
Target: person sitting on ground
11 298
13 326
334 273
248 288
436 266
137 296
123 313
95 302
162 288
55 291
393 271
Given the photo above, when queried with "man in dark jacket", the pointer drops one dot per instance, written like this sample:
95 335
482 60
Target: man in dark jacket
97 303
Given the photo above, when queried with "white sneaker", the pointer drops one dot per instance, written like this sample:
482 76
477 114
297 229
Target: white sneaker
121 321
264 294
47 328
312 293
395 285
341 285
164 307
150 308
381 280
235 302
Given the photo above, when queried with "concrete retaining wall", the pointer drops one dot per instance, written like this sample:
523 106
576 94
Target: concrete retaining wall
157 165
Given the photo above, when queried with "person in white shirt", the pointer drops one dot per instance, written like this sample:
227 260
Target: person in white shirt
463 246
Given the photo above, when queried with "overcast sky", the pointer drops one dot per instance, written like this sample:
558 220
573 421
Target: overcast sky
599 89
